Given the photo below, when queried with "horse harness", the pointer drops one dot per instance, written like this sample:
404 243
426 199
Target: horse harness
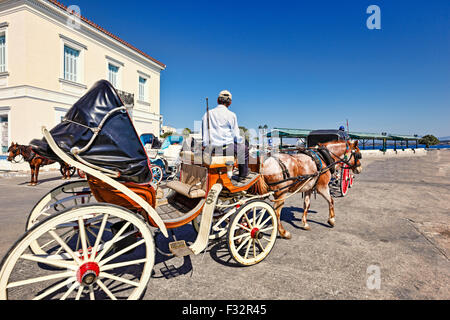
297 179
318 155
31 156
285 171
34 155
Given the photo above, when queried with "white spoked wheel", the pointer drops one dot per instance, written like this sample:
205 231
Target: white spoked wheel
65 196
252 232
112 258
157 174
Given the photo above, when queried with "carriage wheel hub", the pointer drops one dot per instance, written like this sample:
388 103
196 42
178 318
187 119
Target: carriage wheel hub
87 273
255 234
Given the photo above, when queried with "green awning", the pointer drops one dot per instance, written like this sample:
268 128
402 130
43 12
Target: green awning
303 133
364 135
402 137
289 133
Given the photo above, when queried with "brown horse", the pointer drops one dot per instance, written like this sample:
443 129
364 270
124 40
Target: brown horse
280 173
35 161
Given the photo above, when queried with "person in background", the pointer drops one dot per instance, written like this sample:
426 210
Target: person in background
342 128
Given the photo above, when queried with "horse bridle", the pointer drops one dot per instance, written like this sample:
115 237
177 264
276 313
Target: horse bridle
20 150
17 152
356 154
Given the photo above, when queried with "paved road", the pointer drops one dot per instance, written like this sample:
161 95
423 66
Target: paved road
394 222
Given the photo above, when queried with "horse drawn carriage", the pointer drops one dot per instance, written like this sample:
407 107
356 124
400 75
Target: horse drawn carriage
94 239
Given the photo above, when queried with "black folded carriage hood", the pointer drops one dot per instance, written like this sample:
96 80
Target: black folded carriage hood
117 147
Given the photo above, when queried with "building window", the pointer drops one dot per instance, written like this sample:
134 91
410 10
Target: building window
4 137
71 64
113 75
2 53
142 89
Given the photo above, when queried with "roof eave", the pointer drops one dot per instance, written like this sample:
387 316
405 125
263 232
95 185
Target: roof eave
104 32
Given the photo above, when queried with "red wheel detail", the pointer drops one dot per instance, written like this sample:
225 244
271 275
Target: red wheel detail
350 179
254 233
88 272
344 181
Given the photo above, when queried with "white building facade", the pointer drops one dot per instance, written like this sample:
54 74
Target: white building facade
50 57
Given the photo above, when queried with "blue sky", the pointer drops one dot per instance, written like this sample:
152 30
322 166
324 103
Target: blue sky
295 64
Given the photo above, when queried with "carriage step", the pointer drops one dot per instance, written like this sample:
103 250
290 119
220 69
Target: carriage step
161 202
180 248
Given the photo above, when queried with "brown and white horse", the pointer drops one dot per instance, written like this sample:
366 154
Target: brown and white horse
303 165
35 161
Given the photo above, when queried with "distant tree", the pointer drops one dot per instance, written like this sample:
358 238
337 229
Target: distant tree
186 132
166 134
429 140
245 133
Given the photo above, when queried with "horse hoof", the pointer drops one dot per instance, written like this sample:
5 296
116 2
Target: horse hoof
287 235
331 222
306 227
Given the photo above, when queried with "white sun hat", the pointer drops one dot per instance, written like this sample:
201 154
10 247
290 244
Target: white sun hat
225 94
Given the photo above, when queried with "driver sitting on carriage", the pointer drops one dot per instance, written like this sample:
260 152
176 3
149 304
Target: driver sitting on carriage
220 134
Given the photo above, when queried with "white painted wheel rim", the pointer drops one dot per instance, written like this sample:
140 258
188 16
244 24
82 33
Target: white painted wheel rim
113 266
252 233
57 200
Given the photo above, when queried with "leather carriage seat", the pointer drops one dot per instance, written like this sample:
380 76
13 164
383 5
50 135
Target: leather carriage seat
186 190
192 183
205 158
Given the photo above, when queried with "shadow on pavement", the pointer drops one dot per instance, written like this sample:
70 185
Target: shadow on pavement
167 265
41 181
219 253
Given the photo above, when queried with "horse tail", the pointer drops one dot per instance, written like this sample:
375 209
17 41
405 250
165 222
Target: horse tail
260 187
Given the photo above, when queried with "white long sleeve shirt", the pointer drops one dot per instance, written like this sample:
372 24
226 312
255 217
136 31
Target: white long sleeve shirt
224 129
